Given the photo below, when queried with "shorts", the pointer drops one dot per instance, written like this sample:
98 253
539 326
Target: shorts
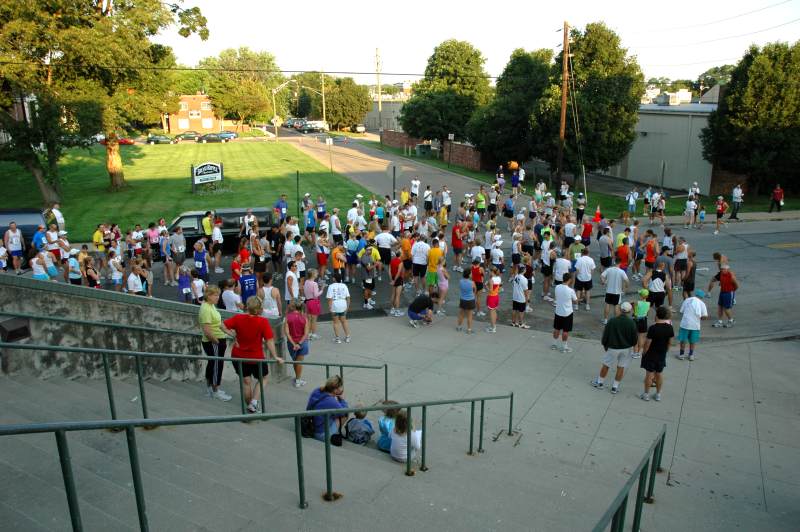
41 277
368 284
179 257
431 278
653 364
299 352
605 262
641 324
583 285
216 247
656 298
457 250
414 316
547 270
516 258
613 299
562 323
688 286
720 215
428 205
688 335
466 304
352 258
478 286
725 300
517 306
16 253
649 265
339 314
250 369
527 248
398 281
680 265
407 264
322 259
314 307
419 270
508 213
568 240
115 282
617 357
482 211
492 208
260 266
492 302
586 241
386 255
52 271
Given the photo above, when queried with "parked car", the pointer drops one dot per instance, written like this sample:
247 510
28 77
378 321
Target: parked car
28 220
290 122
358 128
122 141
160 139
187 135
192 224
314 126
229 135
211 137
298 123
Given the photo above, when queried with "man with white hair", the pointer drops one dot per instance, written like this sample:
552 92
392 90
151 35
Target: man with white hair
619 337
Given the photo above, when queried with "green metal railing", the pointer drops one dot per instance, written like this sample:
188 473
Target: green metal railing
144 328
615 515
60 430
139 355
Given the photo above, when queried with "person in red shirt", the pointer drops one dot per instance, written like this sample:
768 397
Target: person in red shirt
252 332
397 273
728 285
586 233
722 206
236 268
296 329
624 254
458 245
477 278
777 198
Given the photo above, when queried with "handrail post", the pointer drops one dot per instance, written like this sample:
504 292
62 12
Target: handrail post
386 384
480 430
109 389
341 372
69 481
409 430
301 480
136 473
637 509
423 466
328 479
661 451
618 522
511 414
471 427
241 385
327 371
261 386
140 377
655 466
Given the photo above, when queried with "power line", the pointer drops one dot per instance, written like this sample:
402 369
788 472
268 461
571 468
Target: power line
713 22
676 45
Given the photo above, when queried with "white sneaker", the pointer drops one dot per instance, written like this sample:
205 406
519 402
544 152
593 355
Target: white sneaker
491 330
440 312
221 395
412 323
337 340
717 324
566 349
588 307
371 301
657 396
347 339
209 392
604 321
480 314
716 232
367 306
636 355
528 309
644 397
252 407
219 270
299 382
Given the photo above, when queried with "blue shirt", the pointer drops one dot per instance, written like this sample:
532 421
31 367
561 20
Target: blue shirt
385 426
465 287
310 220
321 206
282 207
200 263
74 268
39 240
249 286
319 400
380 212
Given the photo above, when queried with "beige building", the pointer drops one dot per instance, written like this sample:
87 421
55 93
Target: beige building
195 113
667 151
390 116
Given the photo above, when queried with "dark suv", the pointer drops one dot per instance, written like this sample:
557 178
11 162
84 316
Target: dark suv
192 224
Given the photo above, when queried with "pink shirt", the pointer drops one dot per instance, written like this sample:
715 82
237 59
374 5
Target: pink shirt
311 290
296 323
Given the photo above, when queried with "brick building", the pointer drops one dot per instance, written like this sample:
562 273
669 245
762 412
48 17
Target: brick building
195 113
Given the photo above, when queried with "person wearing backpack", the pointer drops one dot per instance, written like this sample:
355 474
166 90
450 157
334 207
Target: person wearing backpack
359 429
328 396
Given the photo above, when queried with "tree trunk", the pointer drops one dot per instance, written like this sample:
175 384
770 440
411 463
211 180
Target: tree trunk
49 194
114 163
164 122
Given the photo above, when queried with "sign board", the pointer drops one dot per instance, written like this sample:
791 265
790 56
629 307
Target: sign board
207 172
329 141
276 120
451 136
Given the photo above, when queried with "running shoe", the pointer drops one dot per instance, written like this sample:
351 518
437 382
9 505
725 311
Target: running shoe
337 340
219 270
553 346
524 326
528 309
459 328
347 339
596 383
729 323
588 307
614 389
717 324
491 330
680 356
604 321
221 395
691 358
566 349
469 331
657 396
299 382
440 312
644 396
480 314
412 323
367 306
252 407
636 355
514 324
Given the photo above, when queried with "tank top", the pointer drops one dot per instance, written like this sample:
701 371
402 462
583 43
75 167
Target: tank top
494 286
269 305
14 240
690 274
642 308
657 281
682 254
465 290
38 269
726 281
92 282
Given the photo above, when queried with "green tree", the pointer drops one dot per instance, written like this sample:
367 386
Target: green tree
347 103
608 87
454 86
502 130
756 128
308 91
718 75
71 57
240 81
186 80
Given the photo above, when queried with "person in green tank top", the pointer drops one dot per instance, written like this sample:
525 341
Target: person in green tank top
640 310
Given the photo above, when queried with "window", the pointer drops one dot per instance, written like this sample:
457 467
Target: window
205 106
194 114
208 123
184 106
188 223
183 123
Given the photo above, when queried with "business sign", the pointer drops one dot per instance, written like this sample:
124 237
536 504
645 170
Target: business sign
206 173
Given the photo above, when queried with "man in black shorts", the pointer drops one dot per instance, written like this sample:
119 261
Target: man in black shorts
276 242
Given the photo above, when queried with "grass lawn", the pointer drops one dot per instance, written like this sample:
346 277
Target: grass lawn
158 182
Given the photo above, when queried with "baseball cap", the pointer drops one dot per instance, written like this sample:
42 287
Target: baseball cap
62 233
626 307
644 292
307 194
74 251
699 293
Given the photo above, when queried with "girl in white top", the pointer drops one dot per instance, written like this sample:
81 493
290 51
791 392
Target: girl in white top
292 226
399 445
292 291
270 297
40 267
115 264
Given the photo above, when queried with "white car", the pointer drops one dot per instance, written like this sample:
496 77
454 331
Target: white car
358 128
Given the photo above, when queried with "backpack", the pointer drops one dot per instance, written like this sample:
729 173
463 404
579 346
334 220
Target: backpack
307 422
358 431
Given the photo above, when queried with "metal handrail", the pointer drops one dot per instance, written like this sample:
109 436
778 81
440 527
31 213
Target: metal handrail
139 355
60 429
616 511
110 325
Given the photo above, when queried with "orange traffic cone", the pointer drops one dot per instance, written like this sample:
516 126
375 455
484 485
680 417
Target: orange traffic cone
597 214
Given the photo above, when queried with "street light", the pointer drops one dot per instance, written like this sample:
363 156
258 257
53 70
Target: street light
284 84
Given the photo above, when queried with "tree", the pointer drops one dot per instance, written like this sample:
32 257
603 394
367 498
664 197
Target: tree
239 83
454 77
308 93
608 86
756 128
83 67
718 75
347 103
187 80
502 130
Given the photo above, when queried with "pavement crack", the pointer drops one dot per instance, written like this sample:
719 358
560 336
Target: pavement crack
758 436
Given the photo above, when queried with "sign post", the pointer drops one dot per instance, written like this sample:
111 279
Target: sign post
451 137
329 142
204 173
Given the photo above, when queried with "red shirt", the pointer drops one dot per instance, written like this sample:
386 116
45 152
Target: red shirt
624 253
456 237
477 274
251 332
726 281
236 270
296 323
245 254
587 230
777 194
394 266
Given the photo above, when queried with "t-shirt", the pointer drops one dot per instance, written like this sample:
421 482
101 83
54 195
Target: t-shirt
565 295
434 256
296 323
251 333
231 300
420 304
614 279
177 242
693 309
561 267
385 240
659 335
519 284
339 293
249 286
584 265
207 226
605 246
419 253
209 315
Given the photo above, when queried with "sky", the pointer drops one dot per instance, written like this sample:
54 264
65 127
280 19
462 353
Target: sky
669 39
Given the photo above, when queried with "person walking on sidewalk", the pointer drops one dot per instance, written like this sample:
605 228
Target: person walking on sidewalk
562 322
619 337
693 310
721 207
615 280
777 198
214 342
736 198
656 346
728 285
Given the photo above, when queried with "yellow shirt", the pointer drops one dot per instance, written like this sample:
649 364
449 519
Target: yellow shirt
443 217
97 239
403 197
207 229
434 256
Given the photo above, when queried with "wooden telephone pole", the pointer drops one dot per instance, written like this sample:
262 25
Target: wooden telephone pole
380 97
564 87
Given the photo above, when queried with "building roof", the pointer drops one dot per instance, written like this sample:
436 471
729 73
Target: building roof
684 108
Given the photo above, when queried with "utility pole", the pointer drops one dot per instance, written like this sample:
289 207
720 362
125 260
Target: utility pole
564 87
324 117
380 98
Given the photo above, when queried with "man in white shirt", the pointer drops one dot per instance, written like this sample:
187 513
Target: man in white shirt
415 187
419 263
385 241
560 267
631 198
584 266
336 227
736 198
615 280
216 246
693 310
427 198
352 214
447 199
56 210
232 300
338 297
519 299
562 322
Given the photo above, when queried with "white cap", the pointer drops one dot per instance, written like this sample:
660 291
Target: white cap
62 233
498 243
73 251
359 196
307 194
626 307
498 238
395 202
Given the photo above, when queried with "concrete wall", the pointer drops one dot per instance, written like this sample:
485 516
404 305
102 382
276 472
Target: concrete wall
390 116
21 294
